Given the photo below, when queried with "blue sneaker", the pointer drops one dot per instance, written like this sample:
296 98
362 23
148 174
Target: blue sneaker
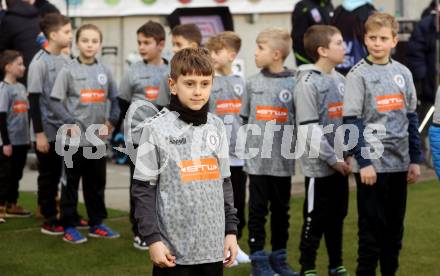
278 262
102 231
71 235
260 264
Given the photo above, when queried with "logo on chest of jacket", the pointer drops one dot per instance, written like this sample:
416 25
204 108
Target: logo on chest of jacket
102 79
285 96
400 81
238 90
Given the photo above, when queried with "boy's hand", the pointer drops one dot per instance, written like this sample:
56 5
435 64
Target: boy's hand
413 173
105 130
42 143
230 250
7 150
368 175
349 162
341 167
161 256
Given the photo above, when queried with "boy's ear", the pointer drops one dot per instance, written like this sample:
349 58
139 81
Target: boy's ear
395 41
161 44
277 55
172 86
322 51
232 55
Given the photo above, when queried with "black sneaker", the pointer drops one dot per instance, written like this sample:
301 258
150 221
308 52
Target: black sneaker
140 244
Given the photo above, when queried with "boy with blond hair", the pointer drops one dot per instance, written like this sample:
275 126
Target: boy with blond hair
268 105
381 99
225 102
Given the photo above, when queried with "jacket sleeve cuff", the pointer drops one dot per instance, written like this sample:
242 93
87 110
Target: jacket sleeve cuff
152 239
332 160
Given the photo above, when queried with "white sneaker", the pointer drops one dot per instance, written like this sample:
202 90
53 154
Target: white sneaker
242 258
2 220
138 243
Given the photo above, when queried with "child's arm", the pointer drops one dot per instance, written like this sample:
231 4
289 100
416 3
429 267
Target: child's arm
307 116
245 105
35 82
163 98
143 192
112 96
415 144
124 98
231 222
352 112
4 106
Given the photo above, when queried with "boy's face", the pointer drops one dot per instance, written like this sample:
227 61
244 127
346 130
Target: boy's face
62 37
335 52
148 48
222 58
380 42
89 43
264 55
192 90
16 68
179 43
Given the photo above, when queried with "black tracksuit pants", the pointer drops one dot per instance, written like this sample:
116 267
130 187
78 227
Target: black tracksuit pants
274 193
93 175
325 207
11 172
238 179
49 173
208 269
381 210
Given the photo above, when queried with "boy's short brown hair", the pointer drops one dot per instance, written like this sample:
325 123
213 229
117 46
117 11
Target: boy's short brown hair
52 22
318 36
7 57
379 20
224 40
152 29
191 62
189 32
277 39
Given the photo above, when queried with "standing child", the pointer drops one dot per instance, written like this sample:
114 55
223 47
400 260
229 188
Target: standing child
319 97
14 130
268 104
141 82
225 102
80 96
182 188
43 70
380 98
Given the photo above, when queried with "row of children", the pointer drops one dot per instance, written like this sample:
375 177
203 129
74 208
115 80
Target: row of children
193 227
183 200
